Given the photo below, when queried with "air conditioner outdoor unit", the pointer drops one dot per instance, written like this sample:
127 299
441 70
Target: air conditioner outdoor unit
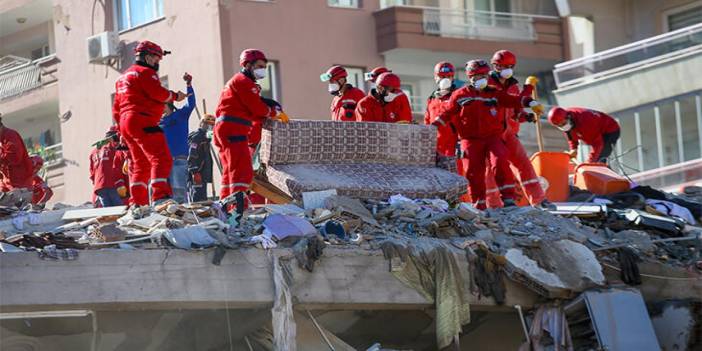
103 46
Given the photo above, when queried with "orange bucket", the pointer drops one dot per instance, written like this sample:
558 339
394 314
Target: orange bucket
599 179
553 166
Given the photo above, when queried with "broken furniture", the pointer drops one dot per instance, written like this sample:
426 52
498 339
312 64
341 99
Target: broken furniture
358 159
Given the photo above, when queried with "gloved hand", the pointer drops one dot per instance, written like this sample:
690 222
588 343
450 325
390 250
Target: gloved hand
537 107
122 191
282 116
209 119
180 96
187 78
572 153
197 178
531 80
125 167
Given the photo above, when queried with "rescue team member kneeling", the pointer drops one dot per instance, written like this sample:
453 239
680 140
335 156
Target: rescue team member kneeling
597 129
138 107
473 110
383 104
239 105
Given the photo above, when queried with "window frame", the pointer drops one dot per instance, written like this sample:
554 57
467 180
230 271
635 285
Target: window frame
674 11
358 4
273 74
116 17
362 84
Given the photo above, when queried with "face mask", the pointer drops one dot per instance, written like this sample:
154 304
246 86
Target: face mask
259 73
506 73
445 84
566 127
480 84
390 96
334 88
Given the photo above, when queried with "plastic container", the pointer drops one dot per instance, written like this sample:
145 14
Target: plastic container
599 179
553 166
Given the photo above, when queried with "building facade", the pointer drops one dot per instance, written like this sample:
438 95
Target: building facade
68 107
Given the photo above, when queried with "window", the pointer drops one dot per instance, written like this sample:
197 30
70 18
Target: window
269 85
628 144
343 3
132 13
356 77
684 16
492 6
40 52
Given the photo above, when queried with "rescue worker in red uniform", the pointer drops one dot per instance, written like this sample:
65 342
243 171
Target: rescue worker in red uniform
501 78
15 165
346 96
446 138
239 105
41 193
106 172
139 104
384 103
372 76
594 128
473 109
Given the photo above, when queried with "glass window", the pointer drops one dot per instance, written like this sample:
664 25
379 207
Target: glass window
629 157
343 3
269 85
685 18
649 147
131 13
669 133
355 77
690 129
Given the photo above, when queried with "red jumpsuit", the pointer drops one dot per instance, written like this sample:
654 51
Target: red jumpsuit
518 157
106 165
239 106
591 127
372 109
475 114
343 107
138 107
15 166
41 193
446 137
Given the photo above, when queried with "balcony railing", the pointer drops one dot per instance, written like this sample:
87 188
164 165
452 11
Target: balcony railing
18 75
629 56
484 25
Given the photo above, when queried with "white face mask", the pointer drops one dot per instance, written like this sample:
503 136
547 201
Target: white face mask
566 127
259 73
506 73
390 97
334 88
480 84
445 84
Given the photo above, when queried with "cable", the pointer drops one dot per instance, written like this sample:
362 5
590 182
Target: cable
653 275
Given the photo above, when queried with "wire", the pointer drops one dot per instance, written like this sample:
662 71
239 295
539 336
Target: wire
653 275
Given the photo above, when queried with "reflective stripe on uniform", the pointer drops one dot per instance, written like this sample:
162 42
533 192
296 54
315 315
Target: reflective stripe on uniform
159 180
508 186
138 184
530 181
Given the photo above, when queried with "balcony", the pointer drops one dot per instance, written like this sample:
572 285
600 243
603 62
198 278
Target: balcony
634 74
19 75
471 32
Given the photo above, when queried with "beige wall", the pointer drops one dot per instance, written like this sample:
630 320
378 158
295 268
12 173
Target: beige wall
305 40
190 30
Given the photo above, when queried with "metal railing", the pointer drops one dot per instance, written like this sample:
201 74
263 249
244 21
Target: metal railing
485 25
20 75
53 154
630 56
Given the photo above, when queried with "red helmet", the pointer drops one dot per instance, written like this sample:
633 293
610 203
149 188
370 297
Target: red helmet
373 75
334 73
557 116
251 55
444 69
37 162
504 58
475 67
388 80
149 47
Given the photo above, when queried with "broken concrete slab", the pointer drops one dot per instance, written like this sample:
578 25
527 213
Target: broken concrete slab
94 212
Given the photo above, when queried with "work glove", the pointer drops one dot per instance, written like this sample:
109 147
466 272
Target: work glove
209 119
282 116
536 107
122 191
572 153
197 178
187 78
180 96
532 80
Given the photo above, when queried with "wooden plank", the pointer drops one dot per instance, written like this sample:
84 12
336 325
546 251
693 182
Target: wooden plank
270 192
94 212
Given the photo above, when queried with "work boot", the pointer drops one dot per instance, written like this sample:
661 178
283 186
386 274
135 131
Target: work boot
509 203
240 203
546 205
